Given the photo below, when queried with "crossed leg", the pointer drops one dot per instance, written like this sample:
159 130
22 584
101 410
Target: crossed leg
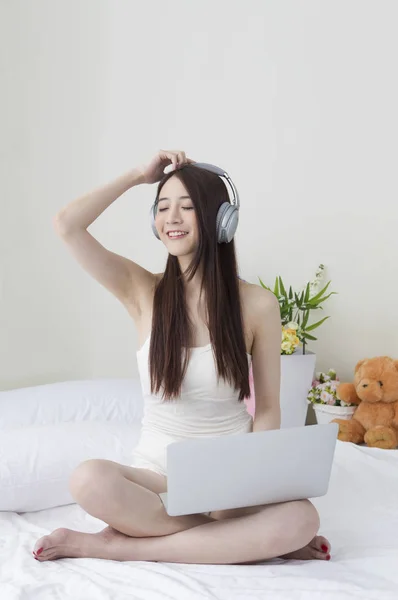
140 529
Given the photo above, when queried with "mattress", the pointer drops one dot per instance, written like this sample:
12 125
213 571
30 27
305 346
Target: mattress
359 515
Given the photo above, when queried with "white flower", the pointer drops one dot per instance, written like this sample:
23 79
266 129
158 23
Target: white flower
327 398
345 403
292 325
315 283
324 396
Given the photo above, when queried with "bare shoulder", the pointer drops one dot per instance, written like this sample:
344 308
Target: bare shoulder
258 301
260 309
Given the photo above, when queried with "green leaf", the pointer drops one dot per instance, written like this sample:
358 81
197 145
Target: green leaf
290 293
261 283
315 325
307 336
307 293
276 287
305 320
302 297
282 287
322 299
319 294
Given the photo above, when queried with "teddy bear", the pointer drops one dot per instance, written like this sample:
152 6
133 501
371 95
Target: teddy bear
375 391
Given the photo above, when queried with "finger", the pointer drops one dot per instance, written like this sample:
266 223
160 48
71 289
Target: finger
182 159
174 159
168 155
179 160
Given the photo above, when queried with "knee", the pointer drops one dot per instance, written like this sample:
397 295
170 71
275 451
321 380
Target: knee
309 519
87 478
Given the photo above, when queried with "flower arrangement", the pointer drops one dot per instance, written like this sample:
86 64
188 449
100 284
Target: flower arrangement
290 340
296 308
324 389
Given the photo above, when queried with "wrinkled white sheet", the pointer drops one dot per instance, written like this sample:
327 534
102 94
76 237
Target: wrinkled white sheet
359 516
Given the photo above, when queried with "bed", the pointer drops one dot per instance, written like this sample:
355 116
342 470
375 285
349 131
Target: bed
101 419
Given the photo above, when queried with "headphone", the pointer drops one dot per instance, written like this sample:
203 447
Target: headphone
228 213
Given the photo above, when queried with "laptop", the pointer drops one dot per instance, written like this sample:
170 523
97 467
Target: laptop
249 469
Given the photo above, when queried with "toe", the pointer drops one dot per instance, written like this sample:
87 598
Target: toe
57 537
41 545
321 544
319 555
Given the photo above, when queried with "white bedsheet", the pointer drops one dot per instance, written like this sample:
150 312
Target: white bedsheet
359 516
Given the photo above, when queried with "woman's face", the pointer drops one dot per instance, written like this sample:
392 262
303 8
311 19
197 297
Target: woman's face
176 213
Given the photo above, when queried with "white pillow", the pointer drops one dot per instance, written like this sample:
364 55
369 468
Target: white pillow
36 461
86 400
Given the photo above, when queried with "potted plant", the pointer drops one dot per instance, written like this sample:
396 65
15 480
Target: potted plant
323 395
297 363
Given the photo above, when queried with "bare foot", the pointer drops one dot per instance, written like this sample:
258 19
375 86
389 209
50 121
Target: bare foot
68 543
318 548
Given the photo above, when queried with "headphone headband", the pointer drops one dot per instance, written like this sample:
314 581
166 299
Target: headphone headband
221 173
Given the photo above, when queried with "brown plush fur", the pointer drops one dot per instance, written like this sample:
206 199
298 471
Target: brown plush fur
375 390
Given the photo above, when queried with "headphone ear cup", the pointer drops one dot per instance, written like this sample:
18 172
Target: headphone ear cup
155 231
226 222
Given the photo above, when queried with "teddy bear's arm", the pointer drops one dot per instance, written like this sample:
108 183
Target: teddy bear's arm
347 393
395 418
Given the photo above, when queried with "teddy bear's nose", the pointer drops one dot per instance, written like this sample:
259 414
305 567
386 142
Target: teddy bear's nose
381 383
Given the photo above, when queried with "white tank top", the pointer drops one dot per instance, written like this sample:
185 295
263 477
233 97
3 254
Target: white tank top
205 406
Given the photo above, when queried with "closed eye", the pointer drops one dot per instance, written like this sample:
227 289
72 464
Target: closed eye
184 207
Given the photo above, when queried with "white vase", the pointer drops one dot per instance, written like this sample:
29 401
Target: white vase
297 373
325 413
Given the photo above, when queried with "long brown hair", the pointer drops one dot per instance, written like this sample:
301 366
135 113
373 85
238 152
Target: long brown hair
171 327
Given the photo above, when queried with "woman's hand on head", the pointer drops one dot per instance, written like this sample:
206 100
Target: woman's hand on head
154 170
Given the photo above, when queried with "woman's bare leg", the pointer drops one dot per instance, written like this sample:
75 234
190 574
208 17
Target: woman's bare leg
124 497
273 531
127 499
139 512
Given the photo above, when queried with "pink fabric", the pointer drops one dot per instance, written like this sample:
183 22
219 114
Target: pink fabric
250 402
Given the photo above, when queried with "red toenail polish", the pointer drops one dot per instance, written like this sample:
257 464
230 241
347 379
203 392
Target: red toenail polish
40 550
328 557
324 548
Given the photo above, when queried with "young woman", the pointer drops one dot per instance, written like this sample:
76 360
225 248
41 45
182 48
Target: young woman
199 327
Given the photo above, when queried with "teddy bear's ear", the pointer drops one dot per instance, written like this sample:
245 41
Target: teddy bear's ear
359 364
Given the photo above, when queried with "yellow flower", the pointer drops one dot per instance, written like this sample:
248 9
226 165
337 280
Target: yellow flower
290 331
290 341
286 347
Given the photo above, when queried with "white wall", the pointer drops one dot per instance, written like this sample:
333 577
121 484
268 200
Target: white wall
296 99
